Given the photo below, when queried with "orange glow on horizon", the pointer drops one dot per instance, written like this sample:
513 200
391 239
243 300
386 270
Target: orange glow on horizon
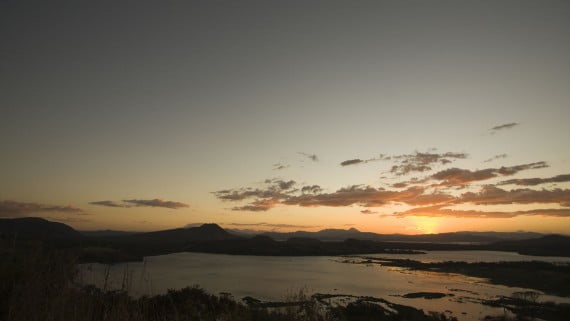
426 225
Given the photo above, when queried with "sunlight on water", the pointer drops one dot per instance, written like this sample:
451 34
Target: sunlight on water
271 278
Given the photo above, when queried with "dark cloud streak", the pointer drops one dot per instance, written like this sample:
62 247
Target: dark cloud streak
536 181
503 127
13 208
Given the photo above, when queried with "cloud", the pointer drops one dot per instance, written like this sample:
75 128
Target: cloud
413 181
357 161
271 225
279 166
136 202
279 192
439 211
312 157
495 158
260 205
68 219
274 189
491 195
457 176
14 208
422 162
408 163
536 181
421 193
283 185
367 196
503 127
311 189
109 204
352 162
156 203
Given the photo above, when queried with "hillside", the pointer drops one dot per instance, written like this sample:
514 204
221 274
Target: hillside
37 228
550 245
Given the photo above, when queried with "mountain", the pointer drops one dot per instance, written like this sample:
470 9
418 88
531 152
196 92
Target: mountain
120 247
205 232
37 228
265 245
550 245
455 237
107 233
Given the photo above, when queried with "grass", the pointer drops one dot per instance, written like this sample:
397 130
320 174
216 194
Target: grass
40 283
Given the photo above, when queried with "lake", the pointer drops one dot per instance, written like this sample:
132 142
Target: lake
276 278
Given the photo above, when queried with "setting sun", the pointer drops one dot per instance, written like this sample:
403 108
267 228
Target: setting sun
426 225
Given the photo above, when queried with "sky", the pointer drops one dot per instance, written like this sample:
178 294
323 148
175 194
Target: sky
385 116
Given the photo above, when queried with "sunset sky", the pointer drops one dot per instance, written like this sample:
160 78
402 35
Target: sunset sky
386 116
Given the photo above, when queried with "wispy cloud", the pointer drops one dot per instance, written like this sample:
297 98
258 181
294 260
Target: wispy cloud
156 203
272 225
273 189
311 189
13 208
412 181
431 195
457 176
279 166
142 202
263 199
312 157
495 158
109 204
422 162
440 211
503 127
536 181
491 195
352 162
357 161
68 219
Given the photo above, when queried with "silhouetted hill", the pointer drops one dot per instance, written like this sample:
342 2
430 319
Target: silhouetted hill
37 228
205 232
107 233
550 245
455 237
264 245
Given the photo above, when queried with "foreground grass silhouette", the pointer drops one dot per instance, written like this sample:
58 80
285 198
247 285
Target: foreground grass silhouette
40 283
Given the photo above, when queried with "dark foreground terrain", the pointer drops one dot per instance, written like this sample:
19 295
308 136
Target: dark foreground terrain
39 282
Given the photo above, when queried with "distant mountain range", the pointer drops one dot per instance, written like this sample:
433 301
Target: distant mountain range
116 245
455 237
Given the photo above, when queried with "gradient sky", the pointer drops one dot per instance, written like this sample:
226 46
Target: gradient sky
144 115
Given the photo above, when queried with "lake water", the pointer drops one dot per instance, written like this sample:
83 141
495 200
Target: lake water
274 278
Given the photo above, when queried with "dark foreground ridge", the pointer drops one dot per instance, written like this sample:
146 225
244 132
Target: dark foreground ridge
46 279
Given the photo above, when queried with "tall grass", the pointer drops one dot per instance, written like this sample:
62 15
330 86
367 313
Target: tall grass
40 283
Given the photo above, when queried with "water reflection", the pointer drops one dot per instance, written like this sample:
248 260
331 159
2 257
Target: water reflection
272 278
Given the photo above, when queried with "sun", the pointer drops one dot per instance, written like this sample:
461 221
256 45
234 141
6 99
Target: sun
426 225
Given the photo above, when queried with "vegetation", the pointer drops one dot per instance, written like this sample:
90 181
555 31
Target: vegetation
546 277
39 283
527 307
